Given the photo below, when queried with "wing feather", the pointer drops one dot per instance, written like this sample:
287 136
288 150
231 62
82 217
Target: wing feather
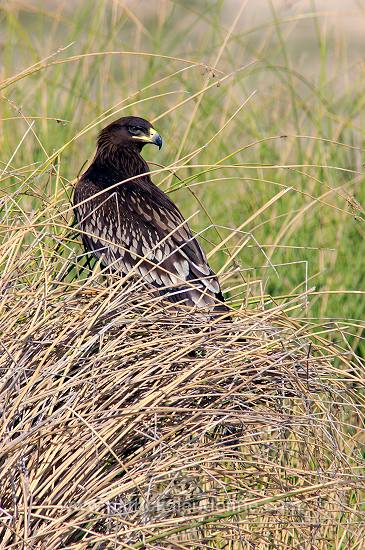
122 226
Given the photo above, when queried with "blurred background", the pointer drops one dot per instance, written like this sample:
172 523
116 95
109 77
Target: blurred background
261 107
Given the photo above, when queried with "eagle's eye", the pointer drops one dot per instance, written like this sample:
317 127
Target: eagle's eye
135 131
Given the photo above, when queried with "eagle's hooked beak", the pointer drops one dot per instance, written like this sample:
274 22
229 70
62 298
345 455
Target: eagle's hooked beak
154 137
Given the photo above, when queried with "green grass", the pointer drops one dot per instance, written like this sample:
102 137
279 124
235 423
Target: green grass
307 87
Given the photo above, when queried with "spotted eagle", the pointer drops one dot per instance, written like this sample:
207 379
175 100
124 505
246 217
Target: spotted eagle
129 224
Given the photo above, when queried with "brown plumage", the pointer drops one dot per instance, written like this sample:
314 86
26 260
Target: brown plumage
133 224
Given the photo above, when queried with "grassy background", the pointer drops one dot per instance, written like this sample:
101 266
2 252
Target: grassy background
307 82
261 113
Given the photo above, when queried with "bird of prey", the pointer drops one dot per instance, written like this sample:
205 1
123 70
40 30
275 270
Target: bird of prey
128 223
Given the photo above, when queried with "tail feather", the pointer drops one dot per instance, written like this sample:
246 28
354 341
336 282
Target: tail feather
196 297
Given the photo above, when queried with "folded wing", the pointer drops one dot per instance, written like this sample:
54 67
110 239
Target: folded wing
139 228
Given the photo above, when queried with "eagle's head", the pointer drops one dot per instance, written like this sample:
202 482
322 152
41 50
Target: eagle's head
129 131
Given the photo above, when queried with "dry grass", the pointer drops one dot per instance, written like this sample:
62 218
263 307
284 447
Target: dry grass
126 426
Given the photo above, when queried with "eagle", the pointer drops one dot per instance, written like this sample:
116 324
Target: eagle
129 224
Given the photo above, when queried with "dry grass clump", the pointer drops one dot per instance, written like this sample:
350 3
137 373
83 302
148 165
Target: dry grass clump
129 426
